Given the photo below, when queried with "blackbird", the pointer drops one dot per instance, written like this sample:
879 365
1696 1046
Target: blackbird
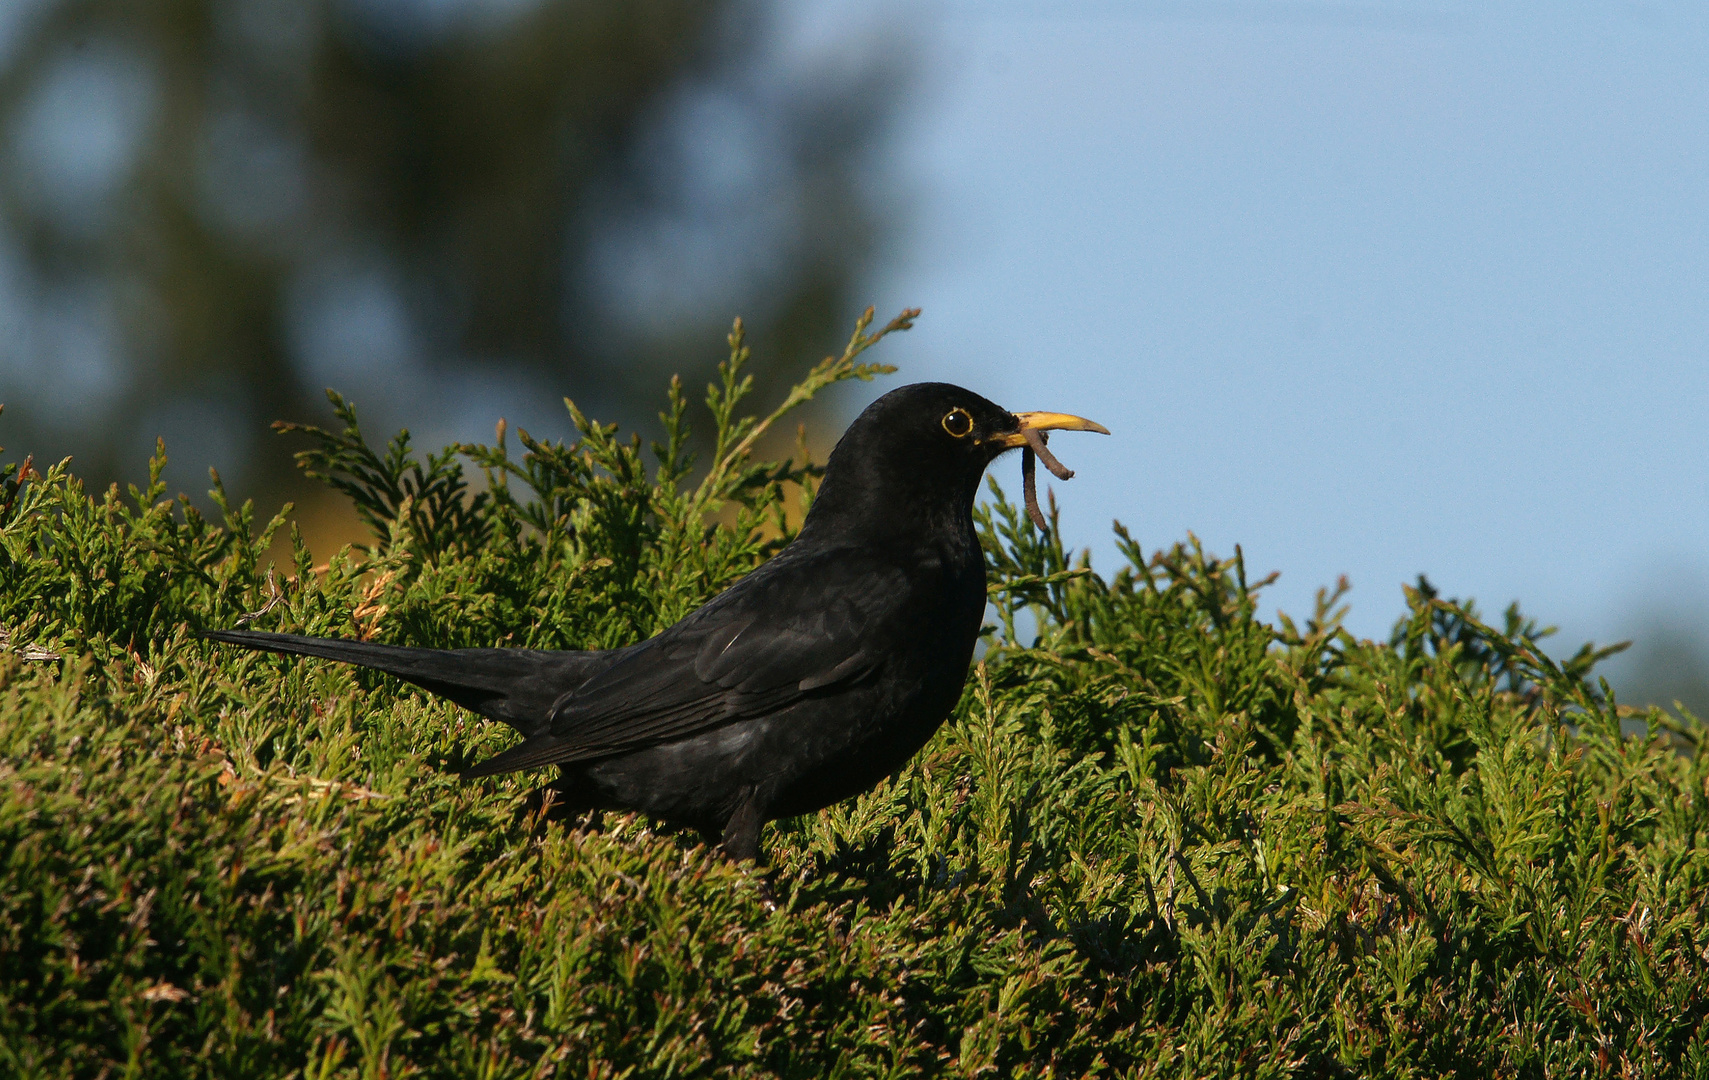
804 683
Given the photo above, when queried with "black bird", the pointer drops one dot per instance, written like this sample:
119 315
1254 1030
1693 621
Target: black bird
804 683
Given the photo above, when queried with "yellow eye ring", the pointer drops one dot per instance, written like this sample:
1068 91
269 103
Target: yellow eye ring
958 423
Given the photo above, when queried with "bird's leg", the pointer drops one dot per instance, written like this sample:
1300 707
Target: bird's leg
742 831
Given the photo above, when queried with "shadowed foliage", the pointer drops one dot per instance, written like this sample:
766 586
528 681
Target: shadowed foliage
1159 836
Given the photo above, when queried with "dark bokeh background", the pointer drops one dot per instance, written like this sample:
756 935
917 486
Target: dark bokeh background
450 210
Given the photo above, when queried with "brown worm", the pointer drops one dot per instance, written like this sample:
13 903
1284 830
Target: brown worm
1029 474
1029 484
1036 441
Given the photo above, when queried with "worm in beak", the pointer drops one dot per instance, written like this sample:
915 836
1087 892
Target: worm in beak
1031 438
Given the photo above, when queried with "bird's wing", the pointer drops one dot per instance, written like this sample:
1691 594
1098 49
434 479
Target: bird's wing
795 627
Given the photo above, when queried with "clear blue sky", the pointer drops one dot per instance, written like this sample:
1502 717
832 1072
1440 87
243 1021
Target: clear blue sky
1374 289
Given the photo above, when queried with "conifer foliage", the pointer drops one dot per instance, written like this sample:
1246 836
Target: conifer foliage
1159 837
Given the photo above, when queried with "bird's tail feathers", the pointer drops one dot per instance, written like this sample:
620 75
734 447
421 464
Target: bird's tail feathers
541 749
514 686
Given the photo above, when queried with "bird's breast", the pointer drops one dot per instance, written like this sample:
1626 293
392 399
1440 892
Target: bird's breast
838 747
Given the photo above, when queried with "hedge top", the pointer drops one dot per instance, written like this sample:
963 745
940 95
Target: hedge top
1159 835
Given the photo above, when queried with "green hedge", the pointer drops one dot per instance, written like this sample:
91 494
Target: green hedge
1159 836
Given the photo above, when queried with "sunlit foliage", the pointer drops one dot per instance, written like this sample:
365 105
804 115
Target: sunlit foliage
1158 837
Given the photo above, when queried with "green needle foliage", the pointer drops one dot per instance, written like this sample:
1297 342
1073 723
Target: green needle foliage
1159 837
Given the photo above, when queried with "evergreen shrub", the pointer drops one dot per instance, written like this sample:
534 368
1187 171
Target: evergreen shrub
1159 837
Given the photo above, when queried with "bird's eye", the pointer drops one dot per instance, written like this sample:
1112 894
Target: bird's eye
958 423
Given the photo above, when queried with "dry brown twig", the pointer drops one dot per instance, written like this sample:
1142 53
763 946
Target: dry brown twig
30 653
273 598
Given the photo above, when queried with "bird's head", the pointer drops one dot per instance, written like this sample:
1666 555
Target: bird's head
915 456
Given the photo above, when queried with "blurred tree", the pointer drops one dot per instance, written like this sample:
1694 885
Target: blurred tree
1669 664
212 209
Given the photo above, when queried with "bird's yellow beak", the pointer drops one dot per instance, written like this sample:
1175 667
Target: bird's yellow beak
1046 421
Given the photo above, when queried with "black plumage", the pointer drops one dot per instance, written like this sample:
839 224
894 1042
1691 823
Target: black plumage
804 683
